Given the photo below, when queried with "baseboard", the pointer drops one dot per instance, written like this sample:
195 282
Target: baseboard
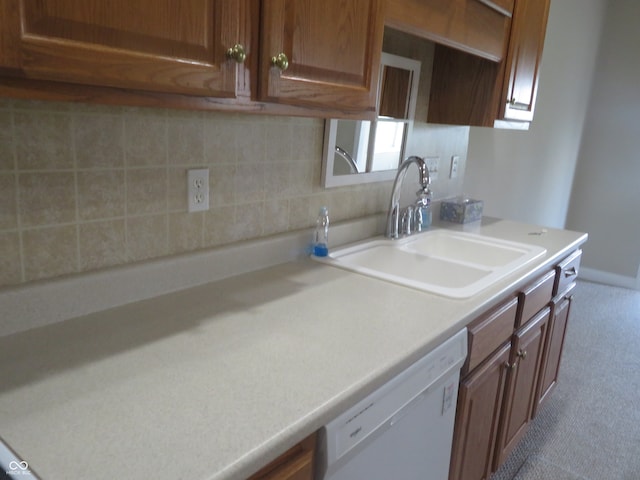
608 278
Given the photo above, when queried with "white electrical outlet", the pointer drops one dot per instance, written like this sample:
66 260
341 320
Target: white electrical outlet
198 189
454 166
433 163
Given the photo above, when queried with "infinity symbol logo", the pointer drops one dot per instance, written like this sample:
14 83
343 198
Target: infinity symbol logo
13 465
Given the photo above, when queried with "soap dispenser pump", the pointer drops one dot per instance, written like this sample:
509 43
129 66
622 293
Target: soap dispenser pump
423 209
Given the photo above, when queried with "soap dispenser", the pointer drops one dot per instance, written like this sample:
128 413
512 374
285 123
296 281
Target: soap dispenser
423 209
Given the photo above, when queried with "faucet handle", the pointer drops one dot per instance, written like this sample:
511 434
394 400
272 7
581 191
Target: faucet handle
408 220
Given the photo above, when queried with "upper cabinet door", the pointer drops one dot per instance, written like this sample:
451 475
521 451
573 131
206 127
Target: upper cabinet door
523 59
170 46
321 53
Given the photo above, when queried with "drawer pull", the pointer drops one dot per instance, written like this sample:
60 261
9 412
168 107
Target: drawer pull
522 354
571 272
518 106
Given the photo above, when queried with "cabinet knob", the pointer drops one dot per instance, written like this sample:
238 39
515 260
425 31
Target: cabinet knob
511 366
281 61
522 354
237 53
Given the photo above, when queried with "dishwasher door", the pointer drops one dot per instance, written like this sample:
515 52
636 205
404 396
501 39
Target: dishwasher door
403 430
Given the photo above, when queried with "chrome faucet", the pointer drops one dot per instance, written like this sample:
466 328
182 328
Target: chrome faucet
403 224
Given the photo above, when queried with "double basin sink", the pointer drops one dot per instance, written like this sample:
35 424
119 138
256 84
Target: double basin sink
448 263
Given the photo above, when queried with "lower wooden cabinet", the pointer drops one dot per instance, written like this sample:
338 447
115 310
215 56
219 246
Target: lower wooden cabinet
521 398
479 406
295 464
554 345
512 365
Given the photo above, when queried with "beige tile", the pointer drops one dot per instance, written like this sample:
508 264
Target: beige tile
185 231
302 213
10 271
8 205
248 221
145 138
221 185
248 183
98 141
251 147
276 216
50 252
43 140
177 189
301 177
185 137
101 194
46 198
221 138
146 191
278 142
217 226
6 103
277 181
7 152
44 105
146 237
102 244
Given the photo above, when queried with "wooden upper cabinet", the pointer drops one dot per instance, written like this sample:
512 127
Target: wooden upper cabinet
168 46
523 59
332 48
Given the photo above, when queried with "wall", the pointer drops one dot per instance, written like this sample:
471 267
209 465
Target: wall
606 193
527 175
87 187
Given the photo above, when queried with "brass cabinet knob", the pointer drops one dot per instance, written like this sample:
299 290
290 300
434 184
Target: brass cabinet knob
237 53
281 61
522 354
511 366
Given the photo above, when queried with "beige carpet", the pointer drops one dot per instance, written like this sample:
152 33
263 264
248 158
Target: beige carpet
589 429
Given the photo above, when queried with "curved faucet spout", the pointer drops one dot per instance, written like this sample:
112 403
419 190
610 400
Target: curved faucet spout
393 217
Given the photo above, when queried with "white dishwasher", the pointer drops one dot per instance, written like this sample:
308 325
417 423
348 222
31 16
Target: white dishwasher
403 430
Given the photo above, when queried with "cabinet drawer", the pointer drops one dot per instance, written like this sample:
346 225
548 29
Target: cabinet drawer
488 332
535 297
567 272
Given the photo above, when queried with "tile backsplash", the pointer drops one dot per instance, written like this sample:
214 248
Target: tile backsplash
86 187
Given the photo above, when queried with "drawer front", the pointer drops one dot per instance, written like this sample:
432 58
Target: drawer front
567 272
535 297
488 332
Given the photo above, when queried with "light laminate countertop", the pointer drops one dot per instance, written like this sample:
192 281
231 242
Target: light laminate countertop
215 381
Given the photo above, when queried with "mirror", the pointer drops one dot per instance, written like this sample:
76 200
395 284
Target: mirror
358 151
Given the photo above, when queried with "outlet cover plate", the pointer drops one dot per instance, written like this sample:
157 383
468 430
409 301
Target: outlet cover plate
198 189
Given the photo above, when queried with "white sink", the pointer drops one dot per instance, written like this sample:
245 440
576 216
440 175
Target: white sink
448 263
